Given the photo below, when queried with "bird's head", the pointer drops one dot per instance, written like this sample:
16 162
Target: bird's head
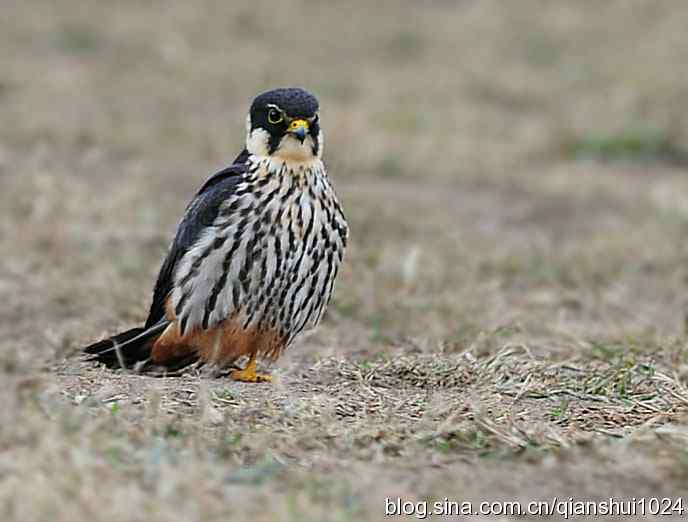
284 123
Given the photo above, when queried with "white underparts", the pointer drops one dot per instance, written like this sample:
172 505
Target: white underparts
271 260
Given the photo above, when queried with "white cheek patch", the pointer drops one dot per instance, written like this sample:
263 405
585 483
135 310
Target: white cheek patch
321 143
289 148
258 141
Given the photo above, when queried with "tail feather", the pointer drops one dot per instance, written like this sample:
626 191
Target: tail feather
127 348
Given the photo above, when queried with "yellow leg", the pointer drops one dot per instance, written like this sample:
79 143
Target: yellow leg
249 374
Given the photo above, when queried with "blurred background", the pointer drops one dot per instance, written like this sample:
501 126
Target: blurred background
513 301
507 167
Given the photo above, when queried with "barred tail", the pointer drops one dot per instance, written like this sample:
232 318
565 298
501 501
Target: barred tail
127 348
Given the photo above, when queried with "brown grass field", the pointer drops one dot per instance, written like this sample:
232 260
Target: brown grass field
511 320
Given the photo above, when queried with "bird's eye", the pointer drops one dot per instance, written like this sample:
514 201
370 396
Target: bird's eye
275 116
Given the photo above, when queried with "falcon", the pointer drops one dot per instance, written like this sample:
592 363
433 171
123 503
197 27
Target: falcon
255 255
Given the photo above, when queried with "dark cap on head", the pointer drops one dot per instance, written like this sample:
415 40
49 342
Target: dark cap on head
295 102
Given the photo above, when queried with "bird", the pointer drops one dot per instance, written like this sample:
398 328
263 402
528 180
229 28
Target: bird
255 256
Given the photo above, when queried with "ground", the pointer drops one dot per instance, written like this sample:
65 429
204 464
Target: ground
510 321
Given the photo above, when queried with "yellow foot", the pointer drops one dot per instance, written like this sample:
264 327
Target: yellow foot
249 374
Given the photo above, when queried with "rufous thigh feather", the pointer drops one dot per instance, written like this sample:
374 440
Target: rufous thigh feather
221 345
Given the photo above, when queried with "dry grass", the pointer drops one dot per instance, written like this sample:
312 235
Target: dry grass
510 323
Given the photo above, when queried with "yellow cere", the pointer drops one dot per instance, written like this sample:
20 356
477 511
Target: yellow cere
295 124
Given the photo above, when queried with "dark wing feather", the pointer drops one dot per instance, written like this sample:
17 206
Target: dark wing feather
199 214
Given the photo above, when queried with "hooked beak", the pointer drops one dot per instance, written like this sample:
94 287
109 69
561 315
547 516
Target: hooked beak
299 129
